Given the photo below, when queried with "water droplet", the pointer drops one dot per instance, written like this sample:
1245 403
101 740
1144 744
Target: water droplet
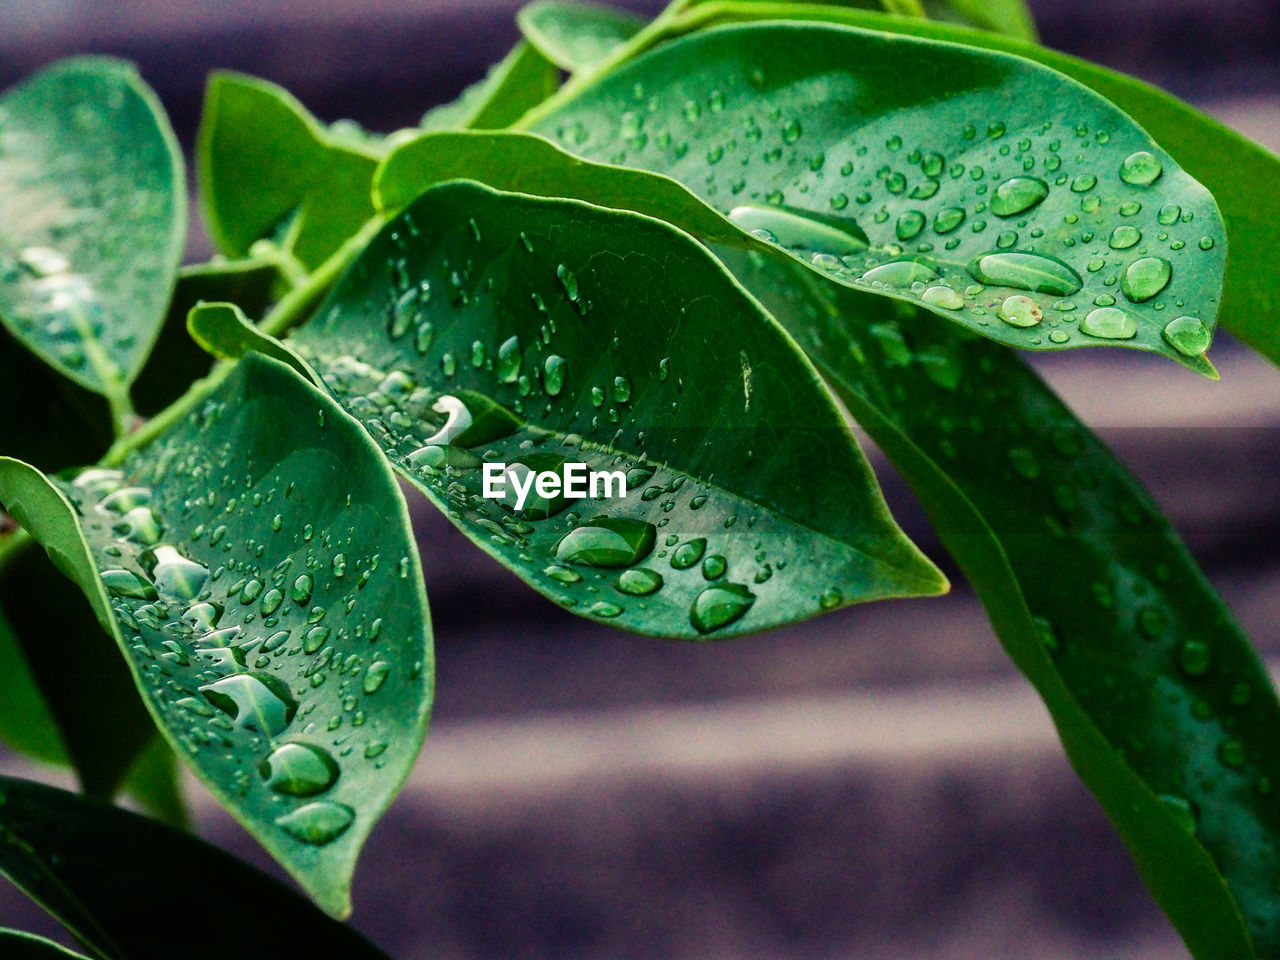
621 389
948 218
509 360
553 373
1124 236
900 273
1232 754
126 583
1188 335
299 770
791 132
1026 271
140 525
1021 311
562 574
798 231
830 599
1206 243
1109 323
719 605
607 542
1146 277
1183 812
375 676
714 566
603 608
639 581
568 280
1084 183
1194 658
688 553
1059 336
941 296
175 576
1017 195
1140 168
257 701
909 224
317 823
301 589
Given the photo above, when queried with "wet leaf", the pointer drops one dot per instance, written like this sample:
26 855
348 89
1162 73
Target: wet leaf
256 565
480 326
514 85
1161 703
92 219
269 170
25 946
1025 202
1245 188
127 886
576 36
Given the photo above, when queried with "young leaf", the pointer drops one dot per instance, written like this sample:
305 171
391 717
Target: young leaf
1161 703
576 36
1009 17
512 87
256 565
127 886
1244 189
269 170
93 208
16 945
986 188
480 326
176 362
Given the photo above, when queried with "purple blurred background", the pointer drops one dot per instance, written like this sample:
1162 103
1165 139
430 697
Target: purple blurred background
877 783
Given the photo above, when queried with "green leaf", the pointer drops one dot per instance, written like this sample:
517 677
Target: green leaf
256 565
576 36
512 87
26 723
1161 703
269 170
92 219
223 331
533 332
1009 17
967 183
254 284
1245 188
25 946
125 886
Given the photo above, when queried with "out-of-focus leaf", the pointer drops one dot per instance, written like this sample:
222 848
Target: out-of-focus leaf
576 36
512 87
92 219
24 946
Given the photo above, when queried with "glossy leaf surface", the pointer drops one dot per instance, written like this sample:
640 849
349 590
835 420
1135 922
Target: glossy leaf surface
134 890
576 36
92 218
514 85
481 326
24 946
256 564
1245 188
1161 703
269 170
986 188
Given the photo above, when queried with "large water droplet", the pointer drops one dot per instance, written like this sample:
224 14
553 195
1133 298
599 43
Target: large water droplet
299 770
375 676
257 701
948 218
1140 168
553 373
1109 323
801 231
1021 311
510 360
1182 811
607 542
140 525
909 224
900 273
688 553
1124 236
720 605
317 823
1146 277
639 581
174 575
1188 335
942 296
126 583
1026 271
1018 195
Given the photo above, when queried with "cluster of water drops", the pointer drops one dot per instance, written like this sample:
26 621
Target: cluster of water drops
238 654
1046 236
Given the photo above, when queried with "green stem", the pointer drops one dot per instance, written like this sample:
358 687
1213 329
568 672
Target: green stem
114 388
294 307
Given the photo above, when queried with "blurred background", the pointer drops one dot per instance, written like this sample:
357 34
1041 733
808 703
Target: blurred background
877 783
